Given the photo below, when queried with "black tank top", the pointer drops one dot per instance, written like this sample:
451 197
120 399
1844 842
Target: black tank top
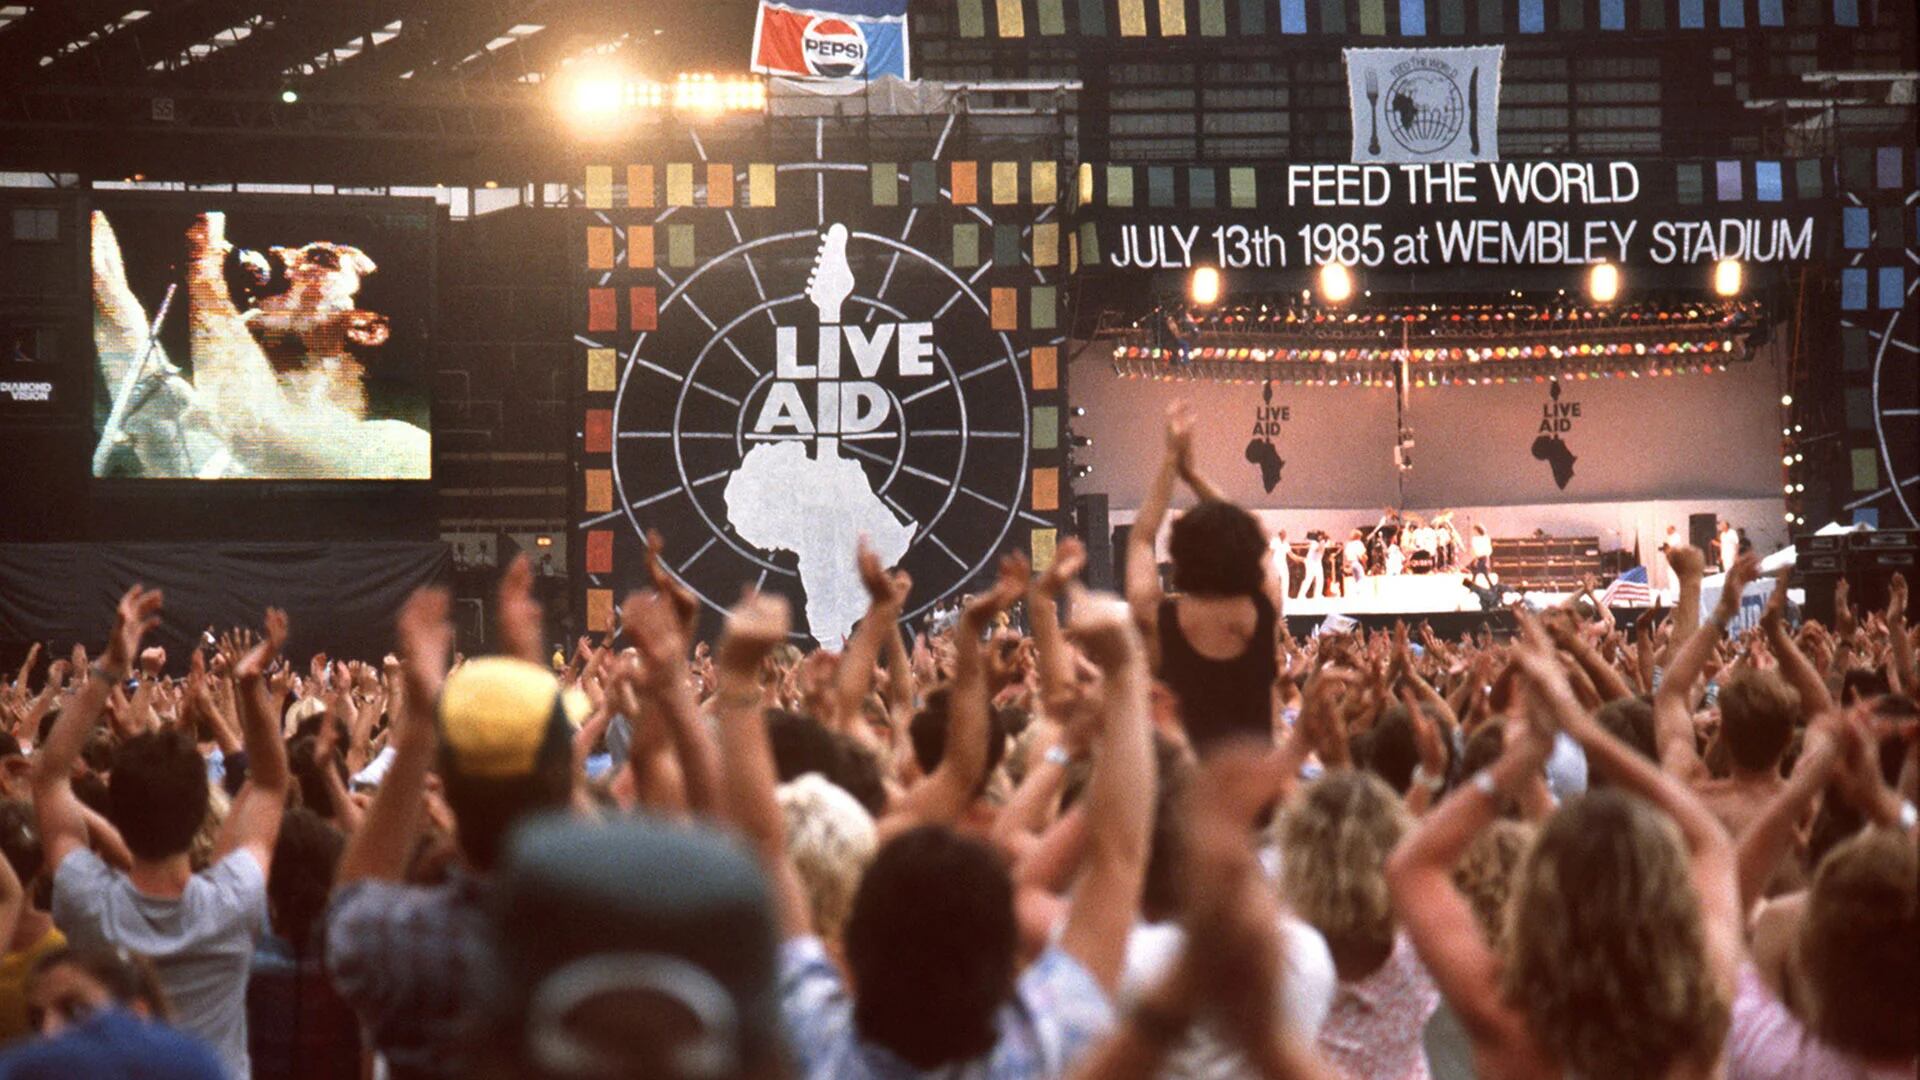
1221 699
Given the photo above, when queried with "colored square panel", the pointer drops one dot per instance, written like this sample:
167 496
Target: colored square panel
1890 227
680 184
1044 177
1073 253
1200 190
1006 245
1051 17
926 183
1886 167
1046 489
1293 16
1119 185
719 185
1653 15
1373 18
1041 544
761 181
1533 16
640 247
1859 408
603 311
643 311
640 187
1733 14
602 371
1413 18
1046 427
971 18
1083 186
886 183
1693 14
1865 466
1006 183
1005 309
1767 183
1453 17
965 183
599 187
1093 17
1613 14
1856 227
1253 17
1573 15
1333 16
1046 306
1173 18
1727 181
1688 183
1893 288
1046 244
680 245
1493 16
1868 516
599 247
599 551
966 246
1012 18
1133 18
1213 18
1089 244
1159 186
1242 192
1853 289
599 611
1856 350
597 431
599 494
1045 360
1846 12
1807 179
1772 13
1856 168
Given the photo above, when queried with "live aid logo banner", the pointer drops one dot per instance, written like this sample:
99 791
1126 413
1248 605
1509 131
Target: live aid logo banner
1534 213
1425 104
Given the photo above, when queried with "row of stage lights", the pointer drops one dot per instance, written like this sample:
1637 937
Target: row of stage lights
1466 318
1307 376
604 99
1424 355
1336 283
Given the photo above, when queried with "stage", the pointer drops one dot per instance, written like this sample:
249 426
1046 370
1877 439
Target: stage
1401 594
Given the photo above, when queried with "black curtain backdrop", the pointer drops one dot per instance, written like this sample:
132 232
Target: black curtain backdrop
341 598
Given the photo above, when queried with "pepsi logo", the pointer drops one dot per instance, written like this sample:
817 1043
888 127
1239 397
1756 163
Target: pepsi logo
834 48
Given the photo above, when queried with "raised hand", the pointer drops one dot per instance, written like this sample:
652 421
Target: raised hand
686 606
1103 626
653 627
1843 621
1775 614
756 626
884 589
254 664
1897 600
425 639
1687 561
1068 560
152 659
1014 574
137 613
1180 434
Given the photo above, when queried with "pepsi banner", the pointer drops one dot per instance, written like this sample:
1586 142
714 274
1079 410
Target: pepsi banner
832 39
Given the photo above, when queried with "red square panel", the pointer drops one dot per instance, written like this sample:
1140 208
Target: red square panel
599 551
599 431
643 308
603 312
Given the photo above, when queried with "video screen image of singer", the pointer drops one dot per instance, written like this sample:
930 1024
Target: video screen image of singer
257 339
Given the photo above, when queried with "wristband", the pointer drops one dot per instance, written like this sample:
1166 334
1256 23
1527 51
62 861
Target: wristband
1483 782
1433 782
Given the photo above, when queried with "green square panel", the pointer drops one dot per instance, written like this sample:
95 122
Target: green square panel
1890 227
1119 185
1807 178
966 246
1006 245
1493 17
1046 308
1856 168
1046 427
1688 182
1242 189
1653 14
1856 353
1859 401
1159 186
679 245
886 183
1866 469
926 183
1200 189
1089 244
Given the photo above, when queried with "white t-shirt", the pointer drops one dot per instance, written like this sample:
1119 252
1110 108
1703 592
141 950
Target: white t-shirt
201 944
1308 986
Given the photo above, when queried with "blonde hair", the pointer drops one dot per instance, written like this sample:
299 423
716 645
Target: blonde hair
200 852
831 839
1487 870
1859 945
1606 951
1334 848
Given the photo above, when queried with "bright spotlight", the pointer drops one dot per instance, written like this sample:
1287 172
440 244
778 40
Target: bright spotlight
289 95
1204 287
1603 283
1786 400
1727 277
1336 283
596 96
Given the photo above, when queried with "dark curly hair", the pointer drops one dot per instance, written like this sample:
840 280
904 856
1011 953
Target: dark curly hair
1216 549
157 795
304 859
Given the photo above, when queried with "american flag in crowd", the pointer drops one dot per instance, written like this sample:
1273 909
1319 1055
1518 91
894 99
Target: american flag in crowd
1629 590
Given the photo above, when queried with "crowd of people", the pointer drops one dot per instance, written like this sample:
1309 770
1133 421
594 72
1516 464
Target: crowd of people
1152 836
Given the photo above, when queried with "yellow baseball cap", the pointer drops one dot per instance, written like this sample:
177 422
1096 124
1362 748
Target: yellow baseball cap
500 717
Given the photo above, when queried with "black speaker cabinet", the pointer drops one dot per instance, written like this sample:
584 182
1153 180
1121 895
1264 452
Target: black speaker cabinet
1090 512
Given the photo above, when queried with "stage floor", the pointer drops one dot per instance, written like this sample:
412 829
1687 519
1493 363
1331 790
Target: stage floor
1405 594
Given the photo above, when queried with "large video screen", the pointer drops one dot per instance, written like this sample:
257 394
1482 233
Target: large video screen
262 337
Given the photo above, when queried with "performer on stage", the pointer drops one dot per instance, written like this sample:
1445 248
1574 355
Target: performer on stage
1280 555
1482 548
1728 538
1313 575
1356 560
